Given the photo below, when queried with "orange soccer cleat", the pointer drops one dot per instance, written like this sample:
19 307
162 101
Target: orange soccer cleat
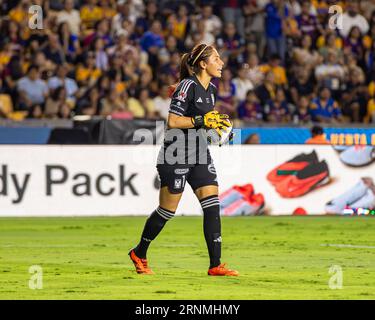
140 264
221 270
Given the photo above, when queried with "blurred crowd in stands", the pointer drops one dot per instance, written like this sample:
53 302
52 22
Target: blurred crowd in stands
284 63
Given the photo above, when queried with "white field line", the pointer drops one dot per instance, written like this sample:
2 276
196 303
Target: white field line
347 246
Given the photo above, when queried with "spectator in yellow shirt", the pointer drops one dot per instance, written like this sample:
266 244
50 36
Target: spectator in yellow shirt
5 55
86 75
142 106
278 71
371 89
370 117
178 25
90 14
108 11
20 13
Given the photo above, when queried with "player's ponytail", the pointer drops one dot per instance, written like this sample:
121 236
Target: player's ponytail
185 68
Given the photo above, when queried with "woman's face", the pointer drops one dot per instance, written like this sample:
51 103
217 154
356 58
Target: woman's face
146 77
40 58
280 96
251 97
175 58
201 26
90 60
143 95
270 77
151 8
99 44
306 42
253 61
356 33
182 11
325 93
242 73
13 26
105 84
113 95
303 102
331 40
171 42
306 7
104 26
214 65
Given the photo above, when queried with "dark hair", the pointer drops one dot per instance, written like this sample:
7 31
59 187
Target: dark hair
250 91
250 137
323 87
15 67
316 130
190 61
140 90
352 30
60 27
33 66
99 82
275 56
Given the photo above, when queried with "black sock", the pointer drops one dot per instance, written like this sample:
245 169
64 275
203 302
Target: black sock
152 228
212 228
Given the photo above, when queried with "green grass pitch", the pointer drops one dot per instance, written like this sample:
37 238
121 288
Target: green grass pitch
277 257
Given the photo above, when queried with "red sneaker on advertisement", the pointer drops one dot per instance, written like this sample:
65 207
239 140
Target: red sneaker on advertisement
291 167
308 179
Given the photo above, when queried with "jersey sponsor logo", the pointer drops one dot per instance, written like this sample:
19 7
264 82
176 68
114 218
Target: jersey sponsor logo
183 89
200 100
181 171
211 168
208 100
181 96
177 183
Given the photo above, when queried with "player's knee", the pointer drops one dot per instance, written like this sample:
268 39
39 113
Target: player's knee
206 191
169 200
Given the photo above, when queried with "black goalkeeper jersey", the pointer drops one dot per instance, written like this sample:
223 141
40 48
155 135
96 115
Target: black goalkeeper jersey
188 146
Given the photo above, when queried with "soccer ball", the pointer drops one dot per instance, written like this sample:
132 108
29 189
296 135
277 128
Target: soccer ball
219 136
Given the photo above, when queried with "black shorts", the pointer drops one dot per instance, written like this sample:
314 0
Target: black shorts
175 177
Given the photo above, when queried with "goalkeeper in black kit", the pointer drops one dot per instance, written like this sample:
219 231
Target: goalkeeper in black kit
185 157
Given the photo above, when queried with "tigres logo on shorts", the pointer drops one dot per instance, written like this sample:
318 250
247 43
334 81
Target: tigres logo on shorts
211 168
177 183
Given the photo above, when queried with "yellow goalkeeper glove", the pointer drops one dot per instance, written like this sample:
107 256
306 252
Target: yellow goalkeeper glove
211 120
223 126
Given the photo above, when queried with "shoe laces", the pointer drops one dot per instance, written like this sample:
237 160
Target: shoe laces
144 263
222 266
